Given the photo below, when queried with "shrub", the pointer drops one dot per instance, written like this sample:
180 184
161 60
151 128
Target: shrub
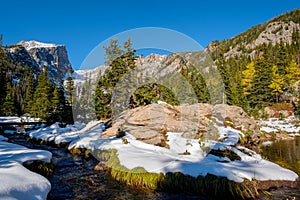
281 116
121 133
124 140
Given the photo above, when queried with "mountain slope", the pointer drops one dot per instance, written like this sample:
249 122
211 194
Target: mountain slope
279 29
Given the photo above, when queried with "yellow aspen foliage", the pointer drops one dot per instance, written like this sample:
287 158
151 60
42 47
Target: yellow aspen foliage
292 72
247 78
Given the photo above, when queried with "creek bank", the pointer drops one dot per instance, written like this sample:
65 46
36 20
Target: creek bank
150 142
74 177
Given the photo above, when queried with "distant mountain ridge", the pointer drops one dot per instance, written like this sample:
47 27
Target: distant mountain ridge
274 31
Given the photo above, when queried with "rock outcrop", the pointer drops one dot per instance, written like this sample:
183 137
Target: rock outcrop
274 33
282 110
37 56
150 123
277 30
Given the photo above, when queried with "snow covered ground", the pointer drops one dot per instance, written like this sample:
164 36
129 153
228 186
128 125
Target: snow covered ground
198 162
19 119
184 155
16 181
68 134
281 125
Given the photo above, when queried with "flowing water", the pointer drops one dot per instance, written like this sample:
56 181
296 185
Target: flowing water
74 177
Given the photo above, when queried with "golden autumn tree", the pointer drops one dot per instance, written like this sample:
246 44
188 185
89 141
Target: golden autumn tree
277 82
247 77
292 73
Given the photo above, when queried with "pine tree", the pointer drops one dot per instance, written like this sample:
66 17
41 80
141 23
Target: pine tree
42 105
28 100
227 75
58 103
17 96
3 81
260 93
113 51
105 86
276 82
9 107
153 92
195 79
69 88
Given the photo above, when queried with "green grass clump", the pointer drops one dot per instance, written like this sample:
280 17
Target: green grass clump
209 185
40 167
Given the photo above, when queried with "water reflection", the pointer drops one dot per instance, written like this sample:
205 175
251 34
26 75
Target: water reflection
286 153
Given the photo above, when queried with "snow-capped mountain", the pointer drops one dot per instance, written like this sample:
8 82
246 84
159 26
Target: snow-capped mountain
38 55
35 44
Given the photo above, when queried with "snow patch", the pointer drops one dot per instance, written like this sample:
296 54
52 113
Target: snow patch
17 182
280 125
267 143
18 119
35 44
68 134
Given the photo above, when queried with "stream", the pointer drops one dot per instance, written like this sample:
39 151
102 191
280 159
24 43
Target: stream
74 177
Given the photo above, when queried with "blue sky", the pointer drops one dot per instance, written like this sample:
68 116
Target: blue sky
82 25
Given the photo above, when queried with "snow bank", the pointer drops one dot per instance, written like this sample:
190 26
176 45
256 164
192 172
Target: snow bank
10 119
280 125
186 156
2 138
16 181
68 134
19 119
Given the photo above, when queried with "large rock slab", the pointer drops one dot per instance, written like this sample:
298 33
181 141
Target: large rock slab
150 123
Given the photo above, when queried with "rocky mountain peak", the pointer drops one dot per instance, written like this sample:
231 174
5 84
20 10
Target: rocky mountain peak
152 58
37 55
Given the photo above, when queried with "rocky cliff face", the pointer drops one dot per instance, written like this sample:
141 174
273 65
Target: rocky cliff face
274 33
277 30
37 56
